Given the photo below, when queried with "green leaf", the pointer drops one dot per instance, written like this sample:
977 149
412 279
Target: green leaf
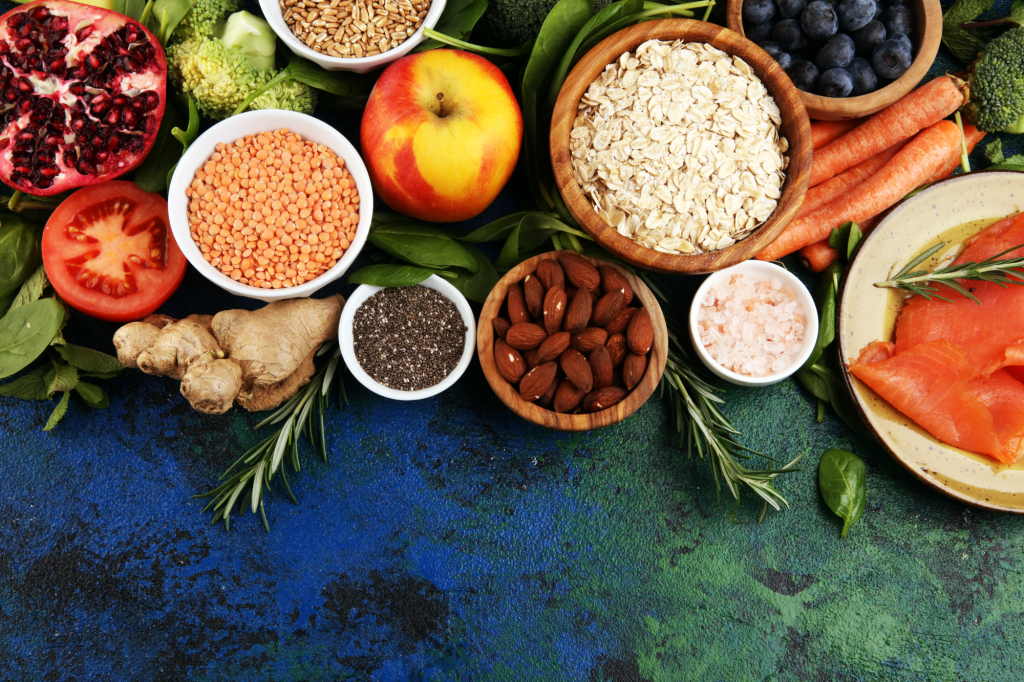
1017 12
97 375
5 303
492 232
92 395
33 288
130 8
457 20
315 76
168 14
825 298
188 136
89 360
60 378
58 412
964 44
154 173
475 286
509 255
842 479
810 380
994 152
20 252
390 275
26 332
422 245
32 386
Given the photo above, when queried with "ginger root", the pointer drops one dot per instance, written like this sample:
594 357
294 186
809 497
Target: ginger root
258 359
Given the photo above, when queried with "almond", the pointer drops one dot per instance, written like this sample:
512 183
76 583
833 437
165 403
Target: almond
601 366
616 345
550 274
602 398
510 363
608 306
554 308
517 312
633 369
621 321
552 347
525 336
577 369
501 326
639 334
537 381
577 316
531 358
567 397
579 271
613 280
533 290
549 395
589 339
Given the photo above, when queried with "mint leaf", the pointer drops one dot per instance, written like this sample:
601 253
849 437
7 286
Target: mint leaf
58 412
962 43
93 395
89 360
32 289
29 387
60 378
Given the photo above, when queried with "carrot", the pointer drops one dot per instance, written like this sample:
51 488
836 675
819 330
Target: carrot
909 168
973 136
818 256
899 121
823 132
845 181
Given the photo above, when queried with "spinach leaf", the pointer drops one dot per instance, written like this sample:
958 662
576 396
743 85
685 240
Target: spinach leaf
20 252
492 232
154 173
825 297
5 303
810 380
842 479
89 360
61 378
92 395
457 20
29 387
167 15
390 275
509 255
846 239
32 289
185 137
26 332
316 76
475 286
427 247
130 8
58 412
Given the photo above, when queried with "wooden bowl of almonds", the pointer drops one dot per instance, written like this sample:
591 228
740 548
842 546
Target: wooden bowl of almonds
572 343
680 146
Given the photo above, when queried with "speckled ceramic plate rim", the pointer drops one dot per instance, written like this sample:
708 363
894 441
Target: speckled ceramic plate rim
891 236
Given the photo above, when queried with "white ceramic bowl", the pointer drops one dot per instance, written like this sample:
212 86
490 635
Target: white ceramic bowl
790 281
272 12
346 340
249 123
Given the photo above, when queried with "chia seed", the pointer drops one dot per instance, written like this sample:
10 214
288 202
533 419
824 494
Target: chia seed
408 338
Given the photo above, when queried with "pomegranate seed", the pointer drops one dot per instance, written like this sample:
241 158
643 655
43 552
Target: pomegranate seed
50 171
40 13
113 116
85 32
102 156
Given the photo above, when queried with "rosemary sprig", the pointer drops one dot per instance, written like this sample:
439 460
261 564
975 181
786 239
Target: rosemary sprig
703 427
303 415
994 269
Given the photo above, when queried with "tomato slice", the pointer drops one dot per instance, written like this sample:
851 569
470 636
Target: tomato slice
109 252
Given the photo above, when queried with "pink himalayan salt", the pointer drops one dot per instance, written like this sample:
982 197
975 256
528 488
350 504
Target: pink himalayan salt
751 324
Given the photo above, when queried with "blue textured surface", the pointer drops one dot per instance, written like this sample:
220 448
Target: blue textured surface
449 540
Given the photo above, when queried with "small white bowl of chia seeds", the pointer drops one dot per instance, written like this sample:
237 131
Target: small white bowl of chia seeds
407 343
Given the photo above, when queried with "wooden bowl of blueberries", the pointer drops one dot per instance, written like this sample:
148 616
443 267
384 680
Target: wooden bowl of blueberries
849 58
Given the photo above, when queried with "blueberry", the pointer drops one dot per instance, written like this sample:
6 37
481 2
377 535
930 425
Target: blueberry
819 21
787 34
789 9
785 61
898 19
865 79
758 11
837 53
854 14
903 39
776 53
866 38
758 32
835 83
890 59
804 75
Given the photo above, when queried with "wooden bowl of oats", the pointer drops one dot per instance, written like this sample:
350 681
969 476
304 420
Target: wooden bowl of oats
692 177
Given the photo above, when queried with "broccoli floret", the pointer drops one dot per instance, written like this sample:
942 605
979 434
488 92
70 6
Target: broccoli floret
290 95
510 23
201 21
215 76
997 85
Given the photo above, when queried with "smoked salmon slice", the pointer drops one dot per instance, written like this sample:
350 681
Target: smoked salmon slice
934 384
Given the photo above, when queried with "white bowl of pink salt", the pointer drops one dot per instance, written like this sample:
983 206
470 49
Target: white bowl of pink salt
753 324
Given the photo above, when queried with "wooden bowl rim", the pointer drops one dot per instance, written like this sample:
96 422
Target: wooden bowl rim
837 109
549 418
779 87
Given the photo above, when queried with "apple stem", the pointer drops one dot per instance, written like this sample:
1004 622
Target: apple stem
440 104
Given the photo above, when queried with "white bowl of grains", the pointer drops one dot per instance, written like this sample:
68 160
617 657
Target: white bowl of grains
398 27
421 337
290 232
753 324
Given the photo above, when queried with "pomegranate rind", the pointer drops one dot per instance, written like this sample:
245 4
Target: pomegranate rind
117 251
69 120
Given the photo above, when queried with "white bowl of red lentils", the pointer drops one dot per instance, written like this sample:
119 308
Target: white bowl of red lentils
271 204
345 35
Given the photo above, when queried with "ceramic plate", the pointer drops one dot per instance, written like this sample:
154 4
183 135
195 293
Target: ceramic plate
938 214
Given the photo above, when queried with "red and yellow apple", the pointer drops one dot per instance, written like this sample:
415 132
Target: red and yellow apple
441 135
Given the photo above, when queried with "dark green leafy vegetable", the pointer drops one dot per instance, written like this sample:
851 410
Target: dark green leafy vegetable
167 14
26 332
92 395
315 76
89 360
32 386
964 44
419 244
390 275
847 238
60 378
33 288
20 252
474 286
457 21
58 412
842 479
994 152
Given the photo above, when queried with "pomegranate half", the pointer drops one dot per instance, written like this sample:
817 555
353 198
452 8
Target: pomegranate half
82 93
